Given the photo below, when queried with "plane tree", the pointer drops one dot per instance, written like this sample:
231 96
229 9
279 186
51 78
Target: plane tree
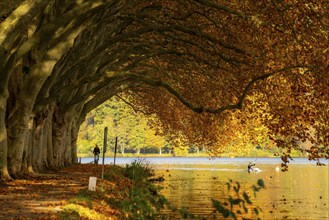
290 74
189 62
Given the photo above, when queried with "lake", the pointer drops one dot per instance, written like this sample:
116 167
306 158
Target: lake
300 193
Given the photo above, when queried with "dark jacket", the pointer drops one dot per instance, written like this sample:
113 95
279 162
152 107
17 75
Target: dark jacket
96 151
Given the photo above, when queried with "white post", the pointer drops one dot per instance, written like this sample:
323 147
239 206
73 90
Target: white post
92 183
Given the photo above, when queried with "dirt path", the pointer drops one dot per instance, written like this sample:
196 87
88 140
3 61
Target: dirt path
42 196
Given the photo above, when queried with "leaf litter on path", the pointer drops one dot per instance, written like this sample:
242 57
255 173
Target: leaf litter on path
42 196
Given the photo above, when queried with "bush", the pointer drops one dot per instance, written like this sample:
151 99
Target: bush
142 204
142 200
139 170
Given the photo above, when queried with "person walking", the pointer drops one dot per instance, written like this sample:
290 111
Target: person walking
96 154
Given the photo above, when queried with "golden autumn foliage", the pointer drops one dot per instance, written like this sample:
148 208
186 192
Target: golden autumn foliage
195 64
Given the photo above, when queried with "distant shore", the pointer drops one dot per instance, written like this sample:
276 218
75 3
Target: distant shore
128 155
251 154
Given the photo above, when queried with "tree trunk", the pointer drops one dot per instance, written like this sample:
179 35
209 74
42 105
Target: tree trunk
66 153
57 144
122 150
62 140
17 139
27 165
44 147
50 149
4 95
39 144
37 137
4 174
74 138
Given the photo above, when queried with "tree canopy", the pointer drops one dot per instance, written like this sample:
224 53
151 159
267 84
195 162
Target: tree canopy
140 134
195 64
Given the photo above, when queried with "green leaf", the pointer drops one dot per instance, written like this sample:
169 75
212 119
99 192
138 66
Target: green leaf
228 186
246 198
236 201
221 209
261 183
255 189
233 215
245 208
184 213
237 189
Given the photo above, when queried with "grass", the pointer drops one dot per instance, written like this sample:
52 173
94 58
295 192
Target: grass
76 211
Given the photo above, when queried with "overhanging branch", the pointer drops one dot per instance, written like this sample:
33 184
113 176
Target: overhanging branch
200 109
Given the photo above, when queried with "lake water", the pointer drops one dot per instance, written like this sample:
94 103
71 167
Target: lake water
301 193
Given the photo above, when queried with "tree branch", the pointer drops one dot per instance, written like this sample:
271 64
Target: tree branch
131 105
199 109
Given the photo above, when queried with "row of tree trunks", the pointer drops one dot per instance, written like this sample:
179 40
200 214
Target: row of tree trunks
30 141
37 143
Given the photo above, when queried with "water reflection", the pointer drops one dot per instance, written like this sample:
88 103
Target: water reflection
300 193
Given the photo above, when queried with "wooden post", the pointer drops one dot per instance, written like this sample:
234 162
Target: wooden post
104 150
115 148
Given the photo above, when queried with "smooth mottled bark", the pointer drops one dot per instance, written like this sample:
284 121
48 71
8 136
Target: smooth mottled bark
17 134
4 174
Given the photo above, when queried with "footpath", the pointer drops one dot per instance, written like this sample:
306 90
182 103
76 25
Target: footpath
42 196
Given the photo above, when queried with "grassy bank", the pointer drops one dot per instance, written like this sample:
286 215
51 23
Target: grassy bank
124 193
